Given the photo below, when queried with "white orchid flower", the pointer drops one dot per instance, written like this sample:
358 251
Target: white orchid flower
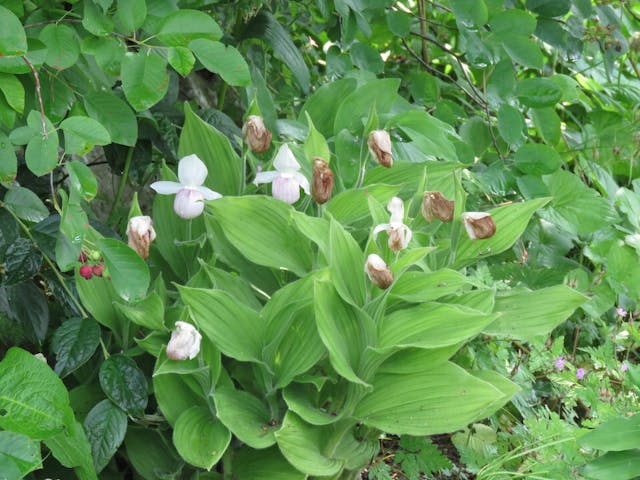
190 193
399 234
286 179
184 343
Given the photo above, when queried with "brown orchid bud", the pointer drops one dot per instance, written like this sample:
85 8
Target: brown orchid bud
322 184
256 135
434 205
378 272
479 225
379 144
141 233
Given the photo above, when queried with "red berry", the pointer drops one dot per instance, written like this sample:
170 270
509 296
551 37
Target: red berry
83 257
98 270
86 272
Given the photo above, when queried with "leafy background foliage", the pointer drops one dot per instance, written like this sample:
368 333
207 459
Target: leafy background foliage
526 109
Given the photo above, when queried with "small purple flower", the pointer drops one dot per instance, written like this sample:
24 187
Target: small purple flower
580 373
624 367
560 363
621 312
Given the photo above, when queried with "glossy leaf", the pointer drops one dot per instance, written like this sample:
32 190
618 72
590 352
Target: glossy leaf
74 343
23 452
105 426
129 272
123 382
199 438
25 204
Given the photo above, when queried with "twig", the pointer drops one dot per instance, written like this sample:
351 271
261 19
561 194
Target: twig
423 30
39 93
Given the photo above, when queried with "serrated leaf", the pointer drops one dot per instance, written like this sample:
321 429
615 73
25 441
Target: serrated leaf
124 384
105 426
74 343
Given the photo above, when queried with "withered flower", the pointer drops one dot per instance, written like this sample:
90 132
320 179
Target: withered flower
379 144
479 225
378 271
434 205
322 182
256 135
140 233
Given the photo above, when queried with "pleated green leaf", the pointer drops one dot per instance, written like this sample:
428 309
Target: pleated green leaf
426 286
199 438
346 264
268 464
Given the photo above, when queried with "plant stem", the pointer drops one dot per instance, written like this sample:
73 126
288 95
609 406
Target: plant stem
423 30
123 182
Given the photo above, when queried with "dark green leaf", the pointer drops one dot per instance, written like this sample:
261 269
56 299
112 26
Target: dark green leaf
30 309
152 454
71 448
105 426
125 385
225 60
22 261
13 91
470 13
549 8
74 343
8 160
26 204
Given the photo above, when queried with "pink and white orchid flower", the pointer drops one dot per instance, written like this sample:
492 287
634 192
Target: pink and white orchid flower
190 193
399 234
286 179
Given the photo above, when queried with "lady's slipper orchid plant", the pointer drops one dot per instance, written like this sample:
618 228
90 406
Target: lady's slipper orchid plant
190 193
399 234
184 343
286 179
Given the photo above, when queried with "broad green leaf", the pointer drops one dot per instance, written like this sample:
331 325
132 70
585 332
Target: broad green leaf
398 22
97 296
418 287
346 265
413 360
174 394
345 330
512 22
36 54
549 8
199 438
82 133
13 39
151 454
22 262
431 325
304 446
511 220
181 60
74 343
234 328
82 180
33 400
622 271
322 107
71 448
431 136
41 154
537 159
105 426
63 47
267 464
180 28
619 465
144 79
470 13
9 468
315 145
442 399
506 387
8 160
538 92
124 383
130 14
215 150
95 21
273 240
366 57
618 433
547 123
350 207
527 314
147 313
524 51
115 115
314 407
511 124
13 91
25 204
245 416
225 60
29 308
356 106
264 26
21 450
129 272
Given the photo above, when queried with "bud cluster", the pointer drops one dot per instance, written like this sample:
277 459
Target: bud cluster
92 264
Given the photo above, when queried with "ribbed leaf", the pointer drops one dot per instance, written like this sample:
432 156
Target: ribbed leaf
199 438
105 427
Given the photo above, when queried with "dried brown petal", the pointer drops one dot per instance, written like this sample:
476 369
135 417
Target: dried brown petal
140 233
378 272
256 135
379 144
434 205
322 184
479 225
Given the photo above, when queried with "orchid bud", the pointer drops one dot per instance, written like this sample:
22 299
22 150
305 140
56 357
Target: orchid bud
141 233
479 225
378 272
256 135
380 147
85 272
434 205
322 184
184 343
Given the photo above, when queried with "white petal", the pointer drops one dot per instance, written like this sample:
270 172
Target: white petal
285 161
188 203
266 177
396 209
302 180
380 228
407 236
208 193
376 262
192 171
166 188
286 188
